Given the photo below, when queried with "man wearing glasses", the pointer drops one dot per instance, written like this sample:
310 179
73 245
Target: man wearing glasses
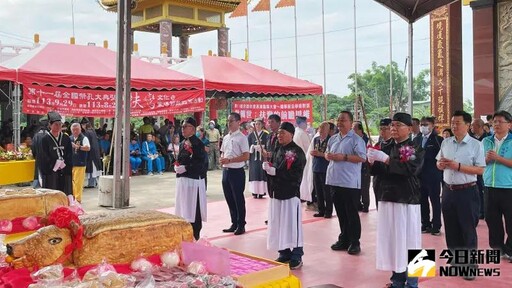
190 178
461 158
498 181
234 153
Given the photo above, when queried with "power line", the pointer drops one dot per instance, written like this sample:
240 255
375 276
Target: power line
313 34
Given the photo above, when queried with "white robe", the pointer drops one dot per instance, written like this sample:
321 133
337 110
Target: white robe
284 224
186 198
398 229
301 138
306 185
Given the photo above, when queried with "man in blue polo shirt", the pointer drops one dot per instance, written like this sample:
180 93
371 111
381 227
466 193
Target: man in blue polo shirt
461 158
345 153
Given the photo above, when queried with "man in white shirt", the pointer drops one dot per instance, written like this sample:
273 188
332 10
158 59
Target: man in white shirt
234 153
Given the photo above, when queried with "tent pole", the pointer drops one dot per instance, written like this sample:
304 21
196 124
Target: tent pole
124 199
390 67
117 184
411 80
16 111
323 58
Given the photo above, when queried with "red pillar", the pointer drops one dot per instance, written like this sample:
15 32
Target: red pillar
213 109
199 117
484 57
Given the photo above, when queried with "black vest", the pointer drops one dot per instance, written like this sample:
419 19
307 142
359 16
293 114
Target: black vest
79 156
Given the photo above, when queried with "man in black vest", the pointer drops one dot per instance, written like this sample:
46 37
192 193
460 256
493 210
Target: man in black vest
81 148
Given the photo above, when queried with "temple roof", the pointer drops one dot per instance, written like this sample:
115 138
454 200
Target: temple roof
226 5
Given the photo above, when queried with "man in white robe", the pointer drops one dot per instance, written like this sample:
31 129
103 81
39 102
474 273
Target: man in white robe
399 219
285 220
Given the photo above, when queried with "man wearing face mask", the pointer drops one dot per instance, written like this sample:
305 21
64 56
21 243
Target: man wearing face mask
431 177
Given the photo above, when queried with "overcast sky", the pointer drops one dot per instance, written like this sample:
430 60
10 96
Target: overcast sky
52 20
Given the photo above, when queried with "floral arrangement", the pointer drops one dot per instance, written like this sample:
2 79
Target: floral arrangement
289 156
406 153
15 155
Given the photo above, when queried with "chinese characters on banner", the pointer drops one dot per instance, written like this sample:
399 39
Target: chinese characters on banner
439 66
287 110
101 103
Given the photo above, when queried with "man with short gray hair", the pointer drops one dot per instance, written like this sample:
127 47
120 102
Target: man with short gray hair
81 147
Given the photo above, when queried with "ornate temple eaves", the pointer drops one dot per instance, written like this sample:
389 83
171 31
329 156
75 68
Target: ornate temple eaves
226 5
188 16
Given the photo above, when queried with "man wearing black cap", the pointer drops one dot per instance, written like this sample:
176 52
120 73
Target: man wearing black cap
235 151
384 140
285 220
56 157
190 181
399 221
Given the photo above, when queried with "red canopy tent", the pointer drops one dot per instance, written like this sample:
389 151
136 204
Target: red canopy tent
7 74
237 76
80 80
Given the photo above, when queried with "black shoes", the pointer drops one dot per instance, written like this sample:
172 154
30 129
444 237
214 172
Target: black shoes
282 259
240 231
435 232
328 216
354 249
230 229
426 230
295 264
318 215
339 246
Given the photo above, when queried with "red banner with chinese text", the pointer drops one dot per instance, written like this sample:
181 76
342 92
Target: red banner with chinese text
101 103
287 110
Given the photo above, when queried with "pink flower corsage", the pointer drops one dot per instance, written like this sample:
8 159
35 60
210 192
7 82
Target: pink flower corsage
406 153
188 147
289 156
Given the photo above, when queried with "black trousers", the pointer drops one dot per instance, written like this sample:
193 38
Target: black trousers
460 217
233 184
324 197
481 189
432 191
365 188
197 225
499 206
346 202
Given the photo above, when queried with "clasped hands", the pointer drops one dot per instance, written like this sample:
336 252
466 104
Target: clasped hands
445 163
268 168
376 155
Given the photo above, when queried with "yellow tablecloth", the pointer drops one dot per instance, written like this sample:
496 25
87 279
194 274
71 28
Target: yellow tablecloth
288 282
12 172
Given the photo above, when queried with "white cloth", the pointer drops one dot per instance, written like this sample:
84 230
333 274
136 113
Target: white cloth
187 191
258 187
306 185
376 155
284 224
180 169
233 145
301 138
398 229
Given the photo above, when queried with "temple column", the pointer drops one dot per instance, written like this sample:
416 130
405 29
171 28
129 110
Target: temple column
184 40
446 62
484 60
223 41
166 37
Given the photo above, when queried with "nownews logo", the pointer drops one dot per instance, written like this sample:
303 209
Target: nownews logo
458 263
422 263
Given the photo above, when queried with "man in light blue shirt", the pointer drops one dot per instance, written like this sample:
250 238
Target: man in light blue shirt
345 153
461 158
